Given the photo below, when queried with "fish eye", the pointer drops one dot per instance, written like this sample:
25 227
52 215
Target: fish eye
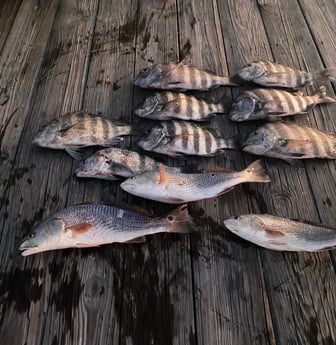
32 235
171 218
212 174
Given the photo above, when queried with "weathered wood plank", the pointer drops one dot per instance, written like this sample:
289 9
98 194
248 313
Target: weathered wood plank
20 61
227 282
8 11
306 286
50 284
157 279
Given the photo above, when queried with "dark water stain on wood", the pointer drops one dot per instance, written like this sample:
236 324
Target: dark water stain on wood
185 51
66 297
19 289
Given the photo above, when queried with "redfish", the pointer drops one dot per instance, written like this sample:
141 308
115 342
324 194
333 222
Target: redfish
94 225
278 233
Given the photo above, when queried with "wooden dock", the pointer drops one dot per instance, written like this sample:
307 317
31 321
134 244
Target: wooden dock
208 288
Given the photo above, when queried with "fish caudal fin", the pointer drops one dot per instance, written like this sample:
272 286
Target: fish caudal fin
322 96
227 81
328 73
256 172
233 143
180 220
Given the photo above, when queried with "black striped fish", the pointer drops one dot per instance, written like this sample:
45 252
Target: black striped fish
114 163
73 131
177 138
177 188
278 233
272 74
290 142
178 76
271 104
170 105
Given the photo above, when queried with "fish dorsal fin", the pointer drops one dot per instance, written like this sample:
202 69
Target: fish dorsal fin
309 222
78 229
135 209
163 177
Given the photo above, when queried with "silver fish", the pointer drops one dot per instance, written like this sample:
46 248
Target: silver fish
94 225
272 74
178 138
290 142
73 131
177 188
178 76
171 105
272 104
278 233
114 163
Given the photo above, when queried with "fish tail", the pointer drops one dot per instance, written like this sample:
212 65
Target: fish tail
328 73
256 172
180 220
233 143
227 81
322 96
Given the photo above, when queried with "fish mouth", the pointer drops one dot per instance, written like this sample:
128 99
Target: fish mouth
82 173
27 249
127 185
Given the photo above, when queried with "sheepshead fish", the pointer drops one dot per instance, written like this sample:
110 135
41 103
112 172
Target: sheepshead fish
177 188
272 104
114 163
95 225
73 131
178 76
290 142
171 105
278 233
272 74
178 138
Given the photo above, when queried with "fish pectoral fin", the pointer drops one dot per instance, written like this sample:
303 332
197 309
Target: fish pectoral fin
74 152
272 107
112 142
140 239
294 143
273 78
273 233
163 177
78 229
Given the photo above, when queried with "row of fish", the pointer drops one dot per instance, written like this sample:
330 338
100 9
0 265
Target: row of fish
94 225
182 77
256 104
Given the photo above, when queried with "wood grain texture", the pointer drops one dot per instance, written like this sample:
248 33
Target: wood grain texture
205 288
